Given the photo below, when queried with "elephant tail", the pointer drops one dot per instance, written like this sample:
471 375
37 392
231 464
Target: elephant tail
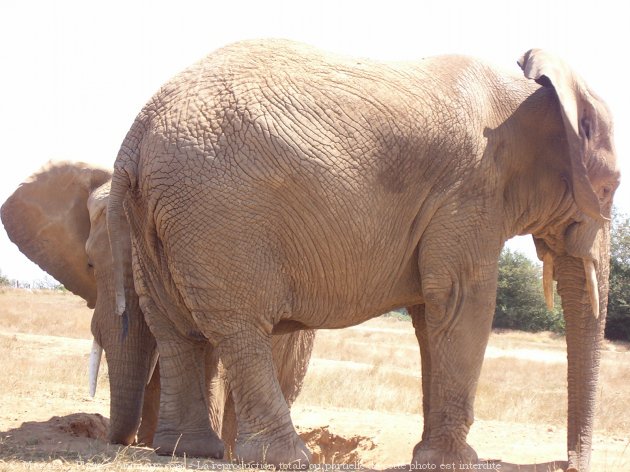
124 180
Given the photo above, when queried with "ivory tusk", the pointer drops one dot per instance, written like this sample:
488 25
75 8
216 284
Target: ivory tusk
591 285
548 280
154 360
95 364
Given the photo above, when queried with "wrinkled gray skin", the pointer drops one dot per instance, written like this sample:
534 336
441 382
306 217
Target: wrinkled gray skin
271 186
57 218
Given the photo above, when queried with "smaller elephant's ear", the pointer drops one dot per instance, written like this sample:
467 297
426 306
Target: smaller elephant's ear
578 114
47 218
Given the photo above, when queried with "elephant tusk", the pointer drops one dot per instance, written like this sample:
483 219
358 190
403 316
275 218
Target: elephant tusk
95 364
592 286
548 280
154 360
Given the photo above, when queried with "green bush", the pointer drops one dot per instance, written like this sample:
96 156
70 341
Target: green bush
399 314
618 320
520 299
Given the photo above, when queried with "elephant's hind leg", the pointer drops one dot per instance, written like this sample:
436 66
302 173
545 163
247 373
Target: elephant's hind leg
265 430
183 424
150 410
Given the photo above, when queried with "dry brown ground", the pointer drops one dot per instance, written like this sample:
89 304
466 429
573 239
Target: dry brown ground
360 403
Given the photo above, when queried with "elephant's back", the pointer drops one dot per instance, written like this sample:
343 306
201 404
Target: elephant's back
277 107
250 78
275 89
271 113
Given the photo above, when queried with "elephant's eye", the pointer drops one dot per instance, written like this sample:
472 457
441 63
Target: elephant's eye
90 265
585 125
605 194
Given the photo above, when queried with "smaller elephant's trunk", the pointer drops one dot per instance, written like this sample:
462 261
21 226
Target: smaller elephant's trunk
125 407
129 362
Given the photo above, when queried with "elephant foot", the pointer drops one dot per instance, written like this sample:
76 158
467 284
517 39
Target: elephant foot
126 439
286 452
426 456
203 444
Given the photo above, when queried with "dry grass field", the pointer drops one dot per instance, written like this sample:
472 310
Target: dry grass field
360 402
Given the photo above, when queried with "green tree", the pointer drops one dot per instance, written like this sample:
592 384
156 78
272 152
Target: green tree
618 320
520 299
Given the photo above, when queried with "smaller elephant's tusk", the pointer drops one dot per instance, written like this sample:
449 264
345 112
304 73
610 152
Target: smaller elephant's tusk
95 364
548 280
592 286
154 360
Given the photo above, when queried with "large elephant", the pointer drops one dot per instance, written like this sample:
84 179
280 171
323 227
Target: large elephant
58 219
272 187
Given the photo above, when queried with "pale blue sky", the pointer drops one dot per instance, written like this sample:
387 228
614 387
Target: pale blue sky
75 73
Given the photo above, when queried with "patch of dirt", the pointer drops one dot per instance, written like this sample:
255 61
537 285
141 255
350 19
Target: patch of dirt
83 425
331 448
74 435
508 447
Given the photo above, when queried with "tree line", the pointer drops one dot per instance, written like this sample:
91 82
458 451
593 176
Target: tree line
47 283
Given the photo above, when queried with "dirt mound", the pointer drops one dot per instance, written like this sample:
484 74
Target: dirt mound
330 448
82 425
73 435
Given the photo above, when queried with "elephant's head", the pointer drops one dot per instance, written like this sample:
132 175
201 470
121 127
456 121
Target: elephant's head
576 250
58 220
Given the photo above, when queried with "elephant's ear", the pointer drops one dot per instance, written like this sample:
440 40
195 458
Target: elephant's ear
47 218
579 116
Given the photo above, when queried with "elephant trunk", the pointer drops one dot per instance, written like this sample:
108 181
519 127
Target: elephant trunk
129 360
584 334
127 386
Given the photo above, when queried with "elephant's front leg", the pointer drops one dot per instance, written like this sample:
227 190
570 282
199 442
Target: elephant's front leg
459 292
183 424
417 313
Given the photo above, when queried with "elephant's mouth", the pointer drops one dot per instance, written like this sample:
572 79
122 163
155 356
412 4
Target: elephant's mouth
590 275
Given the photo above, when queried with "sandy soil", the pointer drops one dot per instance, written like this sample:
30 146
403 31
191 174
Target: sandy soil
42 426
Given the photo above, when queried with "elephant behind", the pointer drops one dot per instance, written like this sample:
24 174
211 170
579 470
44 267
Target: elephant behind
57 218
